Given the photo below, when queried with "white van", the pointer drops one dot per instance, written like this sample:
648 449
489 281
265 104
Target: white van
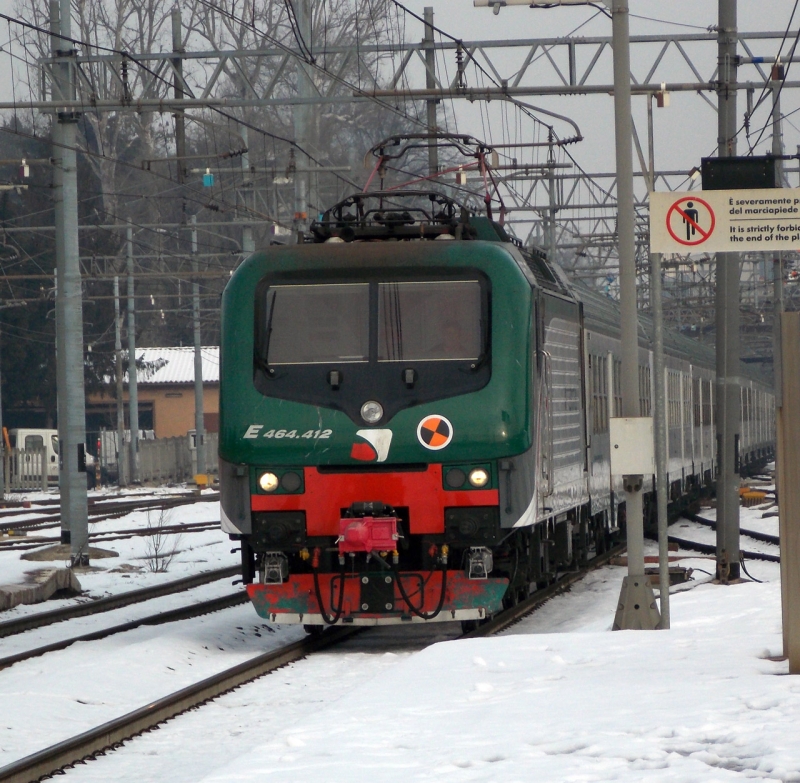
31 438
22 438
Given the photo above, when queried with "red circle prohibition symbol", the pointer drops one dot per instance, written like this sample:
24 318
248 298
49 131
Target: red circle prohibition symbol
704 235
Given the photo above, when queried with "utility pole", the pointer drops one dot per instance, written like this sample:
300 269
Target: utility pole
120 398
727 317
302 117
551 195
660 408
637 602
69 310
430 83
248 246
660 431
133 392
199 425
177 82
776 77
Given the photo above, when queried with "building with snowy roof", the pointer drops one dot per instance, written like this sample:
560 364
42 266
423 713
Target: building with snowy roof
165 385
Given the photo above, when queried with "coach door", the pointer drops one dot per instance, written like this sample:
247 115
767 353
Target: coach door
561 405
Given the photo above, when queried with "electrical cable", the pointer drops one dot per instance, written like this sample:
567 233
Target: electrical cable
160 78
782 82
418 611
747 573
329 620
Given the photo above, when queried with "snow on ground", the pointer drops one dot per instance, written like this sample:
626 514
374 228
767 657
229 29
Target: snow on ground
195 552
700 702
558 697
53 697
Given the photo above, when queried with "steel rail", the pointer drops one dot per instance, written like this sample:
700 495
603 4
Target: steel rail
754 534
181 613
12 508
101 605
711 549
24 542
55 758
114 510
50 760
514 614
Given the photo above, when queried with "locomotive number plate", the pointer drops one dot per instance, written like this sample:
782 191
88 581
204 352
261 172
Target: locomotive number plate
254 431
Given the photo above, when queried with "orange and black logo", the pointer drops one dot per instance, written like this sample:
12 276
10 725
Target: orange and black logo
434 432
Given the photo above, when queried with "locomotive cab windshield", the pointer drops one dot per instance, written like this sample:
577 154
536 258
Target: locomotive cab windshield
390 335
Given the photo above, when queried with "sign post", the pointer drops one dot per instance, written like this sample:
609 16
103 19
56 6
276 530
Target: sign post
725 221
789 482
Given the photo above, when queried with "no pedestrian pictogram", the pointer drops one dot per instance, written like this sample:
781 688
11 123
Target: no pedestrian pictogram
690 221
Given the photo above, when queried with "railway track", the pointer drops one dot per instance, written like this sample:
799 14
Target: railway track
160 618
23 543
711 549
90 744
754 534
107 509
42 619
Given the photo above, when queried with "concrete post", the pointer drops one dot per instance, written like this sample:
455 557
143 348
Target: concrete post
133 393
177 84
69 310
302 118
777 364
657 386
789 466
248 246
660 428
119 382
637 603
430 83
199 424
727 320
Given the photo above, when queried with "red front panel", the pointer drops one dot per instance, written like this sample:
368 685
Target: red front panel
298 594
328 494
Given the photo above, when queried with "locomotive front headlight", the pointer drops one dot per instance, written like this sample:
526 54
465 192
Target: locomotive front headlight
479 477
372 412
268 482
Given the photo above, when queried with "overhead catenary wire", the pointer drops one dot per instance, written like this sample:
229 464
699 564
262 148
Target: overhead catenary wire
160 78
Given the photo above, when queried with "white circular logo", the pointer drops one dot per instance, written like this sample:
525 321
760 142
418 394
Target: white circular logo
434 432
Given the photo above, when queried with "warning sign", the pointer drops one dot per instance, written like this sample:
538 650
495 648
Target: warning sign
690 221
434 432
719 221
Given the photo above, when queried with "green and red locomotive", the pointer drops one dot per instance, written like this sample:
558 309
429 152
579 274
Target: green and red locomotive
414 417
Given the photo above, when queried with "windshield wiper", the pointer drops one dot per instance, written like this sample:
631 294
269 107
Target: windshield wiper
262 357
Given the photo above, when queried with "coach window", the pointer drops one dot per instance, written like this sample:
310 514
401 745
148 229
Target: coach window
644 391
599 384
687 400
673 399
706 403
617 378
